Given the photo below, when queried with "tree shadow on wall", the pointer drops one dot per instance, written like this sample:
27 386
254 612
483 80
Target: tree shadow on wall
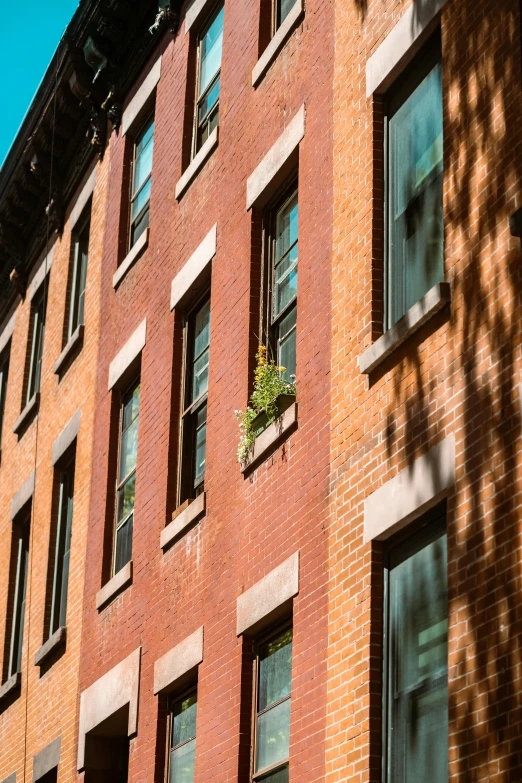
483 186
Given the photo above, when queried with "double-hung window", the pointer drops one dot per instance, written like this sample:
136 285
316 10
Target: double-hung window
414 171
272 713
416 659
4 371
20 544
282 302
36 341
79 275
210 46
126 483
194 418
183 739
141 180
281 9
65 478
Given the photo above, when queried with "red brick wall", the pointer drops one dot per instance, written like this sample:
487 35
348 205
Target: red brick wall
253 524
459 375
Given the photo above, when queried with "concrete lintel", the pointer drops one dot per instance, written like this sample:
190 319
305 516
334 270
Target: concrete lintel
7 331
66 437
265 443
197 162
137 103
411 492
277 42
40 274
421 312
10 779
183 520
178 662
265 176
83 197
193 268
131 258
128 354
114 586
24 495
27 415
195 12
117 688
401 44
54 643
47 759
273 592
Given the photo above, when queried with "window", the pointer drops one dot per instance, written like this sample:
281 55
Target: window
415 261
272 713
36 343
21 556
282 284
126 484
281 9
416 659
141 180
79 275
194 417
65 478
183 739
209 73
4 371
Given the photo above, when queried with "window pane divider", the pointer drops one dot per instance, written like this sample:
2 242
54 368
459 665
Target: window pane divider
280 316
274 704
194 406
261 773
127 477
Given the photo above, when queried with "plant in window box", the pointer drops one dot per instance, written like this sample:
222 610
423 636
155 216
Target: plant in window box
272 395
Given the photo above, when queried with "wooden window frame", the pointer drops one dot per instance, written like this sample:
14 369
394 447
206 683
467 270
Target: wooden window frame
173 699
36 343
150 117
270 634
124 395
187 488
395 97
269 323
211 16
82 229
428 529
63 526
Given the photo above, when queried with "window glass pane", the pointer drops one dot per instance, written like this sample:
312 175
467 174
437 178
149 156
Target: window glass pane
281 776
201 351
209 100
129 449
123 544
143 166
21 542
36 350
283 9
286 227
126 497
139 226
285 281
273 735
275 669
211 45
146 136
418 710
416 221
182 763
286 348
201 442
131 406
141 200
184 720
200 382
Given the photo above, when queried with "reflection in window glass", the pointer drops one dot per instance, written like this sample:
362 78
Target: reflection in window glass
141 181
183 740
210 48
20 543
79 277
36 344
128 454
282 9
284 294
63 548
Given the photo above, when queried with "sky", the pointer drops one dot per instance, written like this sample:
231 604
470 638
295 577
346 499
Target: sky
29 34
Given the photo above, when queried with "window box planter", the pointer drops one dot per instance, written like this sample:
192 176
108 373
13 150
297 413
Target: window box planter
270 436
261 422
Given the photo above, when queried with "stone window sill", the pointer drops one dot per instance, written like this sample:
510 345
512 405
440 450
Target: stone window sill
197 163
130 259
10 686
54 643
28 414
73 347
277 42
184 517
427 307
269 438
114 587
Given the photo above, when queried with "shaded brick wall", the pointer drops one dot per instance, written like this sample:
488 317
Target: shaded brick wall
459 375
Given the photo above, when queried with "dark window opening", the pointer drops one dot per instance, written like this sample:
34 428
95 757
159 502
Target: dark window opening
210 44
36 341
4 372
79 274
141 181
20 563
182 746
65 481
126 480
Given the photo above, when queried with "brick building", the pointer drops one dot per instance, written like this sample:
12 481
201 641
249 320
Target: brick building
342 604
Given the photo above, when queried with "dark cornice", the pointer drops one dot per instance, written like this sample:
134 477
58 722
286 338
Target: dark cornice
67 126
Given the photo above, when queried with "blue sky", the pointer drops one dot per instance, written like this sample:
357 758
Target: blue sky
29 34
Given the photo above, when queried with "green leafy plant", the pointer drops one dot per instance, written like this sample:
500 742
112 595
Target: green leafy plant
269 384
